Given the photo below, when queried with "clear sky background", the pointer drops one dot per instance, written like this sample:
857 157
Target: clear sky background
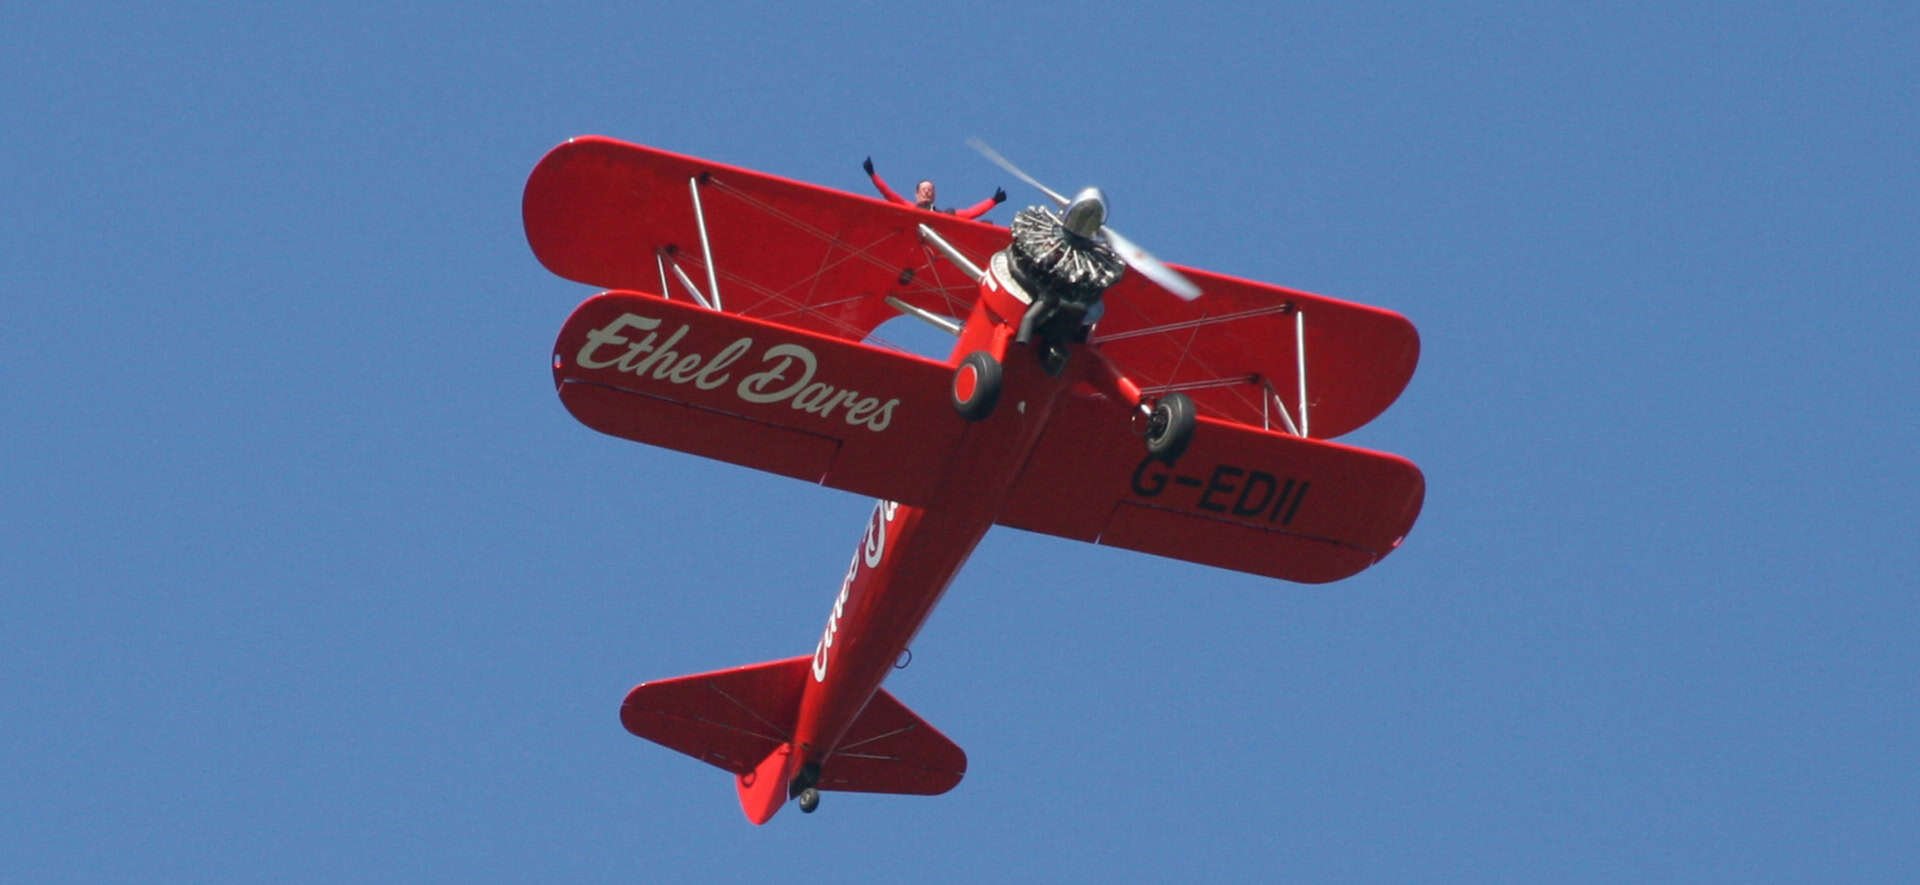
308 575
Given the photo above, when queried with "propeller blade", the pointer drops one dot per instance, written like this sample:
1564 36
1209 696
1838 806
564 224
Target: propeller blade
1150 267
1137 258
1013 170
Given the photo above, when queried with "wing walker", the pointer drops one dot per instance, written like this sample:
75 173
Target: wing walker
1079 401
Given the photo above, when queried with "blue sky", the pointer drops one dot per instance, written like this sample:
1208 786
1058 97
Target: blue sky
308 575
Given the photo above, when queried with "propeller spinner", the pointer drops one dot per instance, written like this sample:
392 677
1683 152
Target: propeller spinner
1086 215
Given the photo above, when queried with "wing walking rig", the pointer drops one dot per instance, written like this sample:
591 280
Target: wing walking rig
1079 401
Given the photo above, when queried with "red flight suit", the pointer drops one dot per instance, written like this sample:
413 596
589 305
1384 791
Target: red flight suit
974 211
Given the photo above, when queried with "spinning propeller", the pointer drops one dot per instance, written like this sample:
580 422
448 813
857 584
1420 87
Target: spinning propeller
1086 215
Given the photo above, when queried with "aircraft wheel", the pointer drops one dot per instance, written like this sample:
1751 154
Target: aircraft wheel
1170 428
809 800
976 386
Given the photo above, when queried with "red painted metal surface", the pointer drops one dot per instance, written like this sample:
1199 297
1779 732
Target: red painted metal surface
680 376
599 211
780 382
797 403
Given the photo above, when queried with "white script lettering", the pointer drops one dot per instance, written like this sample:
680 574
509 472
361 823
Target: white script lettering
787 373
872 548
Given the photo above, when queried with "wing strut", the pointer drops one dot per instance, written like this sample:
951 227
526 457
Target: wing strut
706 248
929 317
687 281
660 257
1300 352
1273 399
960 261
1273 396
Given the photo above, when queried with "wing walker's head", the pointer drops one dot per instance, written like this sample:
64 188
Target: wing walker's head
923 194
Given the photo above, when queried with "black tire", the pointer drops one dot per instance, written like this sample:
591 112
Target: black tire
976 386
809 800
1171 427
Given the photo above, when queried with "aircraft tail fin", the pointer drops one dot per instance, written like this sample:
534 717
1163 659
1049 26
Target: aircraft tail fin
743 719
764 789
739 719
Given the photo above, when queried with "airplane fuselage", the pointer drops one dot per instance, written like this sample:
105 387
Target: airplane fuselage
1047 431
908 555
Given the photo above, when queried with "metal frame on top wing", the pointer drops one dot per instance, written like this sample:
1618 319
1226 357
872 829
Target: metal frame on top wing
1270 402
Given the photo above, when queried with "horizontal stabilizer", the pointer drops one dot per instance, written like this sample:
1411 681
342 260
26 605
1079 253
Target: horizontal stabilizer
891 750
743 720
732 719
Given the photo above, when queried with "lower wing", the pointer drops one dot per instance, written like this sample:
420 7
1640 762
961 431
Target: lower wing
879 422
815 407
1240 497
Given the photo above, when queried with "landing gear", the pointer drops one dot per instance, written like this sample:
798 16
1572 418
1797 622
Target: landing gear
976 386
803 787
1170 427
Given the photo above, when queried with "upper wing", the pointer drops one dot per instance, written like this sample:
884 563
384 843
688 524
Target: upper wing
611 214
1239 498
619 215
1237 351
759 394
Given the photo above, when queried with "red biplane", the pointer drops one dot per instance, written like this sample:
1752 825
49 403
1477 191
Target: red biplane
1080 401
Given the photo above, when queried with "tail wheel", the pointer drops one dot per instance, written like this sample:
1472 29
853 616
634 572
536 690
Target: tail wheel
1170 427
809 800
976 386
